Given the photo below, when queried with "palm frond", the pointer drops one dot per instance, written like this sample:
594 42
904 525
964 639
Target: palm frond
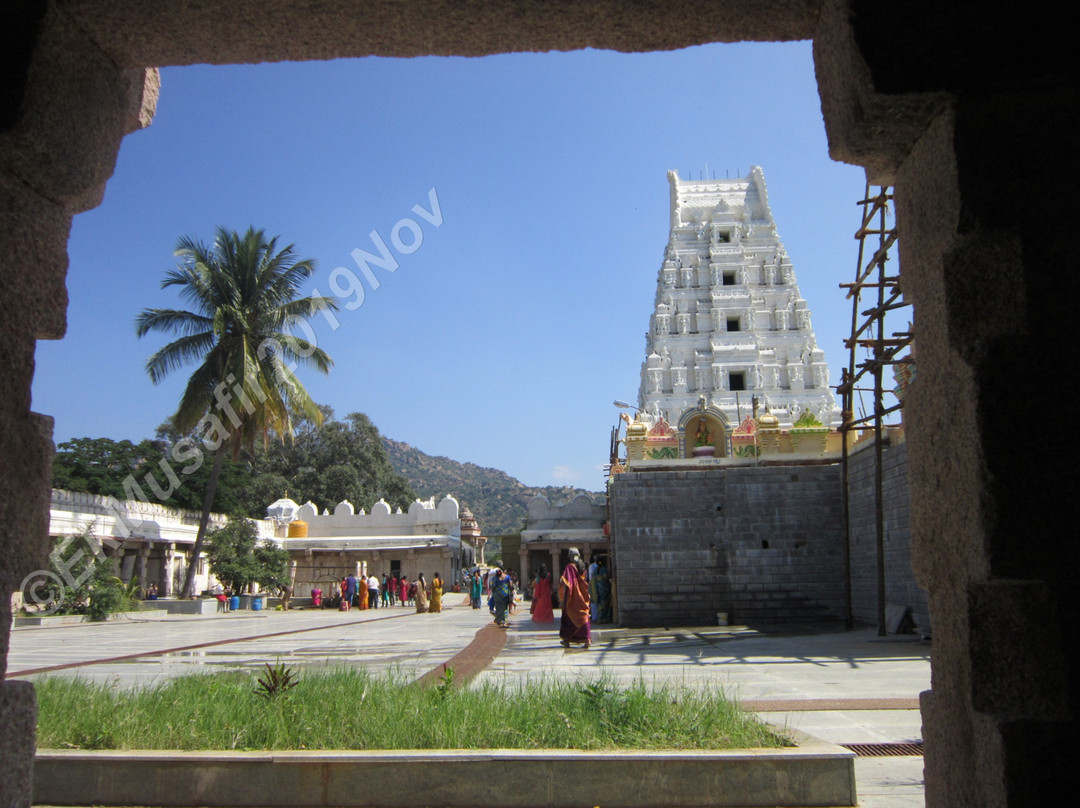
301 352
178 353
178 321
243 290
304 307
198 396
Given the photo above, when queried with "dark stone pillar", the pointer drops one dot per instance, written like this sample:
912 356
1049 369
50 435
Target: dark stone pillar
981 147
64 107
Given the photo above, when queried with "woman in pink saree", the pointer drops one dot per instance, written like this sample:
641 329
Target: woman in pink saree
574 597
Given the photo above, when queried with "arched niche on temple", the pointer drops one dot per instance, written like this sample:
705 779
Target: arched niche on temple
704 432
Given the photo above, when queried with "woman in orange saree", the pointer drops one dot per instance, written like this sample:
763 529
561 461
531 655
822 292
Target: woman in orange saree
574 597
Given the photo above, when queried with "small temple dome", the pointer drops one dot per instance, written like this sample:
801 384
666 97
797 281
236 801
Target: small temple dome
284 509
469 526
768 421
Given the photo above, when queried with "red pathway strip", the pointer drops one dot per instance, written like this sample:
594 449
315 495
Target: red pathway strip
210 644
472 659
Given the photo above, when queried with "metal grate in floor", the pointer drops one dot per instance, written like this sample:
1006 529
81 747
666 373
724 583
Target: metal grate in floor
885 749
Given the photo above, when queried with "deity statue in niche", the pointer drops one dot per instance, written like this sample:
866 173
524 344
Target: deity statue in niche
702 436
701 439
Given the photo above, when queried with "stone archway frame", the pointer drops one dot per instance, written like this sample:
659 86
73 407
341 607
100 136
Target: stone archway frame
908 93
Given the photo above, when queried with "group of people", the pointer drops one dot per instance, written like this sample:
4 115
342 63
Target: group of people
500 587
583 595
367 592
428 597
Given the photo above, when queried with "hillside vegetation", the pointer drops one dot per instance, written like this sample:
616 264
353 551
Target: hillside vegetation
497 500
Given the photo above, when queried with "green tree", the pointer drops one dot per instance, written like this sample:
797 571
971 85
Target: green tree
104 467
262 490
327 463
79 580
234 476
239 559
100 465
107 594
244 294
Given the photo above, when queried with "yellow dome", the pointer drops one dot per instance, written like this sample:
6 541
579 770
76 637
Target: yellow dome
768 421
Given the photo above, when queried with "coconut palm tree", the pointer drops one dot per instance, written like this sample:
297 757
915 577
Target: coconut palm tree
243 292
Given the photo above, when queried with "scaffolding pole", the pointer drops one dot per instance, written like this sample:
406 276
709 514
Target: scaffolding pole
883 292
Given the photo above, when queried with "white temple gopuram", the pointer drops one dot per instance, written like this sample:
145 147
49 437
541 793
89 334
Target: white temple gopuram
729 325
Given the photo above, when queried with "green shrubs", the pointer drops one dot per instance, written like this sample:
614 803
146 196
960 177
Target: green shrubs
354 710
277 681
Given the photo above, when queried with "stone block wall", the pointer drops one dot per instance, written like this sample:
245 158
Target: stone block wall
763 544
900 584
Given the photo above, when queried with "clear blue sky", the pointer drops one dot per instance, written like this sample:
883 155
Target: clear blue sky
503 338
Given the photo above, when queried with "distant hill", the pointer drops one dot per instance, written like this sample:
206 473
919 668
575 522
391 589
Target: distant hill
497 500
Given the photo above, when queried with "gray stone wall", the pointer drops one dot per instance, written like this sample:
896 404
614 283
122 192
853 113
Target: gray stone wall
763 544
900 584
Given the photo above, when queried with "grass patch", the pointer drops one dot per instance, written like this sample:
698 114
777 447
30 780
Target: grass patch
355 710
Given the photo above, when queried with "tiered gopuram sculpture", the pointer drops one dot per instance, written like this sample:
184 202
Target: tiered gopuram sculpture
730 331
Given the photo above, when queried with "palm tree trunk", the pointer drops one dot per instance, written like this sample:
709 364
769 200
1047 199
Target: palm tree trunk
200 537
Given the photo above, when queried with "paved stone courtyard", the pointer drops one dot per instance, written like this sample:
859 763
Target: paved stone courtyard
842 687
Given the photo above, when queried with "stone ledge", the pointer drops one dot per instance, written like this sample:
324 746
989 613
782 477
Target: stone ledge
814 773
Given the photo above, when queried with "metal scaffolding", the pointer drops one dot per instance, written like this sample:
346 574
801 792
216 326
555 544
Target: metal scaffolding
870 332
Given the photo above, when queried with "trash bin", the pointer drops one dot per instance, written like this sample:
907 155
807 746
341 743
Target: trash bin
256 603
234 603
